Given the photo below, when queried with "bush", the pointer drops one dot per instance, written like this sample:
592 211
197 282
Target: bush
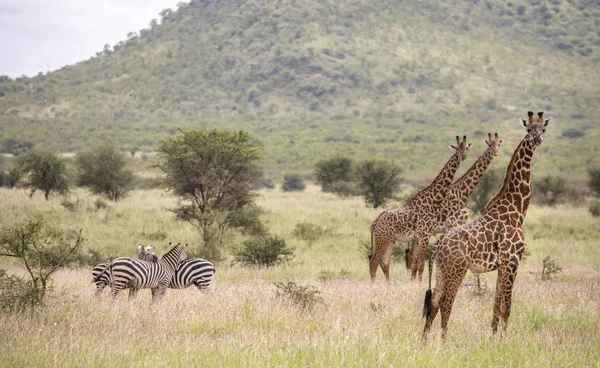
377 181
308 231
490 183
595 209
248 220
594 182
335 175
305 297
263 251
102 169
573 133
549 268
43 170
550 189
3 178
293 183
17 294
12 178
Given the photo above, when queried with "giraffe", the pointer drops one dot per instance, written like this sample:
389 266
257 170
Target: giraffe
453 211
494 241
417 218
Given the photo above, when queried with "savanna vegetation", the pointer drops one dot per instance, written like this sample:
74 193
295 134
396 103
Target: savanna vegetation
386 79
317 308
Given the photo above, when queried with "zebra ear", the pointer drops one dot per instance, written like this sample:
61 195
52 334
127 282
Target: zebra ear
140 247
170 244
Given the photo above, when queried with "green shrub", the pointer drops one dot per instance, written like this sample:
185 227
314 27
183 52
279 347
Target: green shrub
573 133
594 182
248 220
549 268
377 181
17 294
263 251
100 204
595 208
293 183
335 175
550 189
305 297
308 231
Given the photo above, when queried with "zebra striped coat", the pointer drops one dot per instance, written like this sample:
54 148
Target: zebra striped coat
102 279
137 274
193 271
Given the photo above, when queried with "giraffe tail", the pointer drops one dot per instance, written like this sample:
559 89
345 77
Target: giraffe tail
427 307
372 251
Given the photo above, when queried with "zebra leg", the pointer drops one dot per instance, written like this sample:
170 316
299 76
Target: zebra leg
133 292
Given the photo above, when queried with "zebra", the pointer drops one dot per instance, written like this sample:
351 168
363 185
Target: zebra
137 274
193 271
101 278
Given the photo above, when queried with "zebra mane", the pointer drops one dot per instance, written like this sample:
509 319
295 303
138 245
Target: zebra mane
172 256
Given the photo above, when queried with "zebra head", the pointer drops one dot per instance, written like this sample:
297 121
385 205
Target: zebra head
147 254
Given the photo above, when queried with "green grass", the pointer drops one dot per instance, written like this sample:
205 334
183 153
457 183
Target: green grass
241 321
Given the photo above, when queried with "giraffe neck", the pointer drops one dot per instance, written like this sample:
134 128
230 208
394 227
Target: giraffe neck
470 180
517 180
437 190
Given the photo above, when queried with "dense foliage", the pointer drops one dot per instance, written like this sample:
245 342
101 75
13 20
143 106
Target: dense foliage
212 173
43 170
378 181
293 183
319 78
103 170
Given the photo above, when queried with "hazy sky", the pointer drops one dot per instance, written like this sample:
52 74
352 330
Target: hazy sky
45 35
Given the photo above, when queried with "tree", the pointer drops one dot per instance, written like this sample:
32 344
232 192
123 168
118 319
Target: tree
43 170
550 189
377 180
595 180
489 184
292 183
103 170
12 178
335 175
41 250
212 173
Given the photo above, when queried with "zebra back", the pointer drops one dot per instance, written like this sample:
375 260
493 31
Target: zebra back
193 271
128 272
101 276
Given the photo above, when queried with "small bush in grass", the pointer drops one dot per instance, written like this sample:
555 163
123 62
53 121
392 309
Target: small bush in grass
594 182
248 220
326 275
308 231
305 297
71 203
549 269
263 251
293 183
595 208
100 204
17 294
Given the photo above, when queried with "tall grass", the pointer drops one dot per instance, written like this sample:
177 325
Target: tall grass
241 321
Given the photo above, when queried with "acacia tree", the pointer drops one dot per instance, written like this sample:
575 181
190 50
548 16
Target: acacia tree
43 170
212 173
377 181
335 175
41 250
103 170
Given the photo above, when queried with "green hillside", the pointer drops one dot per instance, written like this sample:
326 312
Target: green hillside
395 79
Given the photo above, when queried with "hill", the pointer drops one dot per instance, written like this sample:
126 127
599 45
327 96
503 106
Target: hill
395 79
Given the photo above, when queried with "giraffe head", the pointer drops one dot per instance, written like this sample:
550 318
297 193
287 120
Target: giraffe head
535 128
461 147
493 143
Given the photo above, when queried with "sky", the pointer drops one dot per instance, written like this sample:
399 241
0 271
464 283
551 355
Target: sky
45 35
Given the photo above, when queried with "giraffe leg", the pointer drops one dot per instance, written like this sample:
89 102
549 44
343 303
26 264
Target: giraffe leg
510 275
373 264
386 259
436 300
418 261
498 303
451 289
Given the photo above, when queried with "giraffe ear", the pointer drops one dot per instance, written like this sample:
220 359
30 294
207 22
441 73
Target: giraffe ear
524 123
453 147
486 142
547 121
469 145
500 142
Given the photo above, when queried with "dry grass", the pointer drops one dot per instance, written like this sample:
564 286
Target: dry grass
241 322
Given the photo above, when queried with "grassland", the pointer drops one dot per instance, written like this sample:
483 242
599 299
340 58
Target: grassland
241 322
